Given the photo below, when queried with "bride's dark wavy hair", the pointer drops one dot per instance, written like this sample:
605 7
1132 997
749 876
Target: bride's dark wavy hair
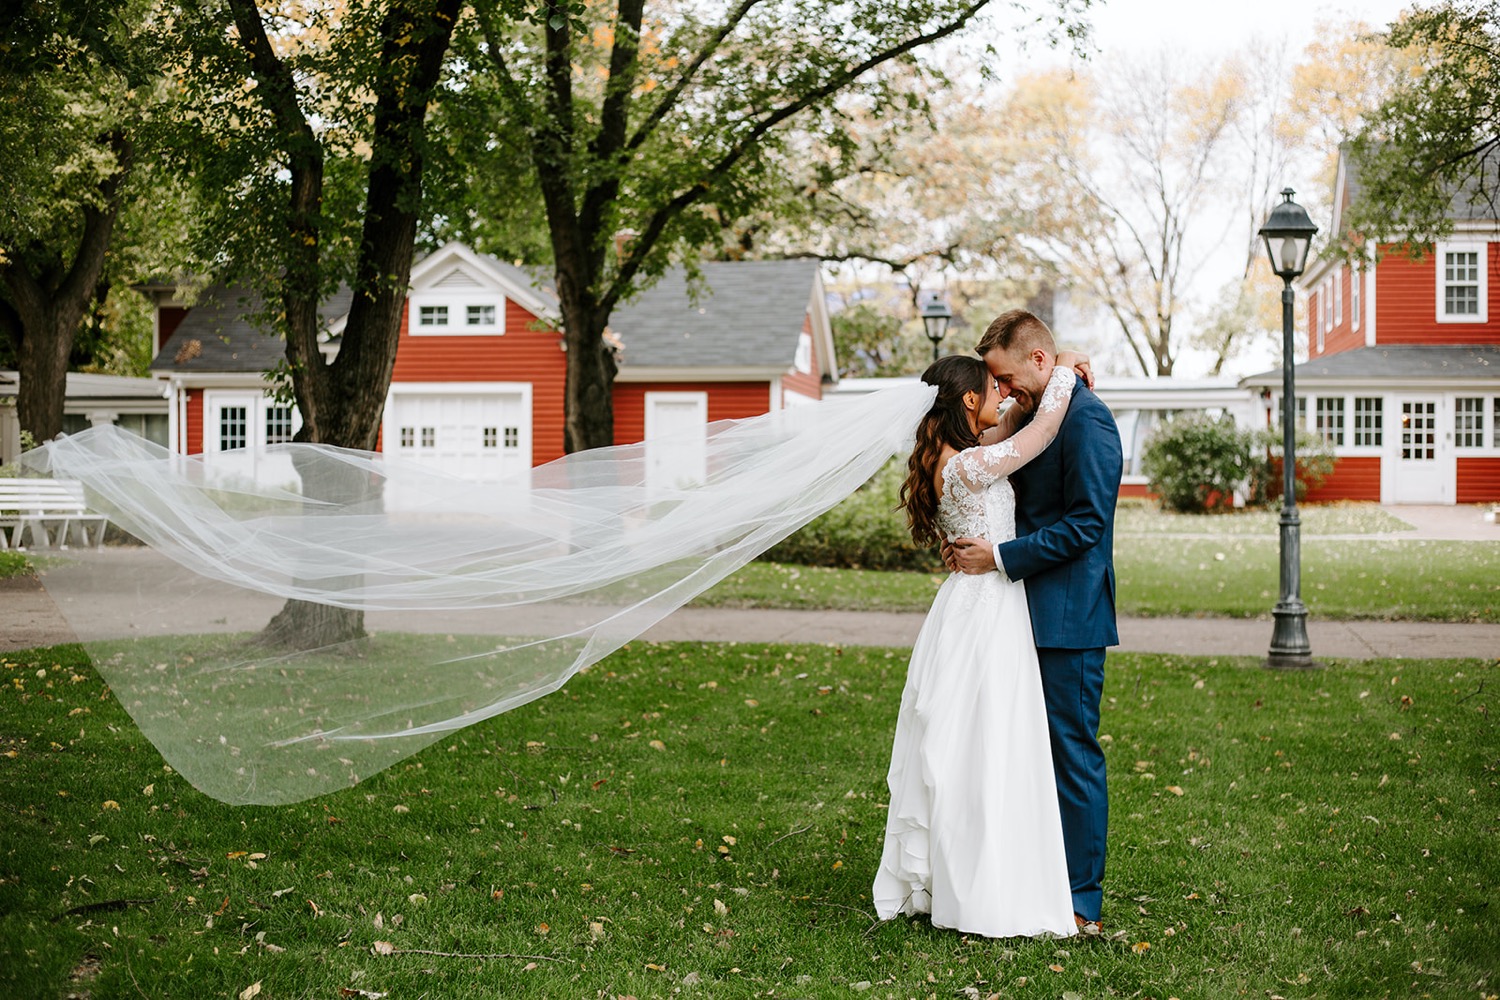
946 423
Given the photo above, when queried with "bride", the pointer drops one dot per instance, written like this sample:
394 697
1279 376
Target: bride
973 833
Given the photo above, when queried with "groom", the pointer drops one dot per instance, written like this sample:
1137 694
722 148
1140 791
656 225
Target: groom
1065 515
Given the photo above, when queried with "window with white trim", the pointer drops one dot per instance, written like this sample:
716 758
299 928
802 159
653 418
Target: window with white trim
1338 297
1462 292
432 316
1368 420
1329 419
1356 281
1468 422
483 315
279 429
1495 421
234 430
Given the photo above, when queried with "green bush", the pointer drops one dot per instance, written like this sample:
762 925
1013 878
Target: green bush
1196 463
865 531
1315 460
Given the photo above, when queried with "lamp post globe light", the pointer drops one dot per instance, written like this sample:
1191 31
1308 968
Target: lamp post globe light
1288 233
935 316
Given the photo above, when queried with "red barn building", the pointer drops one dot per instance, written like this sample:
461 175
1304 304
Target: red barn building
477 389
1403 369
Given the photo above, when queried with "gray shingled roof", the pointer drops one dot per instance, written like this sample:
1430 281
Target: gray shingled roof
1396 363
1472 199
749 313
226 340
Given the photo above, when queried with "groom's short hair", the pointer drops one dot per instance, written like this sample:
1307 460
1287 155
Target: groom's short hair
1016 332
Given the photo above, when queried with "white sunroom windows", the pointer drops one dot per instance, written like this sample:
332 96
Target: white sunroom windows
1368 421
1468 421
1329 419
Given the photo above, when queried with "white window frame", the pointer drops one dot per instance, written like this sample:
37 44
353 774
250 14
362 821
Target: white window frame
1352 428
1482 432
1336 436
458 303
257 406
1356 279
1338 297
1440 269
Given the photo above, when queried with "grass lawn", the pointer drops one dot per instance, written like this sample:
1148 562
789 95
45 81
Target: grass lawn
1234 575
705 820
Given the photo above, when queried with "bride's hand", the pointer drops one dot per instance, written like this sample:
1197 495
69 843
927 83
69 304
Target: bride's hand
1079 362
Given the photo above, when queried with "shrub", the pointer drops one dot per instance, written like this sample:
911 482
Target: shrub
865 531
1315 461
1197 463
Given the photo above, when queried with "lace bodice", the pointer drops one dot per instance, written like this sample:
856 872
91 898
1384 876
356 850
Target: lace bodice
977 499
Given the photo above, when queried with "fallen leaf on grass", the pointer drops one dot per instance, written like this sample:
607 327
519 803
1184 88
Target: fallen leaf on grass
657 745
251 992
656 968
1055 967
1174 789
1141 947
345 991
383 948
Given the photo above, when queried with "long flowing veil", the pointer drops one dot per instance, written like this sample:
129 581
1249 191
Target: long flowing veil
476 597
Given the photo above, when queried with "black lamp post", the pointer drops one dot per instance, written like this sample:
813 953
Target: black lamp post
1288 233
935 316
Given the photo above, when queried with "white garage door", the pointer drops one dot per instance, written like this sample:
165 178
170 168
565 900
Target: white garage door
480 433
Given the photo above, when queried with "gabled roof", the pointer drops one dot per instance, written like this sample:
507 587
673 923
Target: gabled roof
1395 364
746 313
217 334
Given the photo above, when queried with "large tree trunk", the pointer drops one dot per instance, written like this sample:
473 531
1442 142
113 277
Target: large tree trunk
49 303
588 396
342 403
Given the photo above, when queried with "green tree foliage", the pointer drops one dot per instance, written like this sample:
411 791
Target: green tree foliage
1430 148
647 131
80 89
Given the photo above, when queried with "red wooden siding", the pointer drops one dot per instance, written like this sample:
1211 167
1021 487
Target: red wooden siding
726 401
1478 480
522 354
1406 303
1353 478
1343 336
194 422
809 383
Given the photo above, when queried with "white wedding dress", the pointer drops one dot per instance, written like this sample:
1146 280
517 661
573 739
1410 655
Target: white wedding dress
973 834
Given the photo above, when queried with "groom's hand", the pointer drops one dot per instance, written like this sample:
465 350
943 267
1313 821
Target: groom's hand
971 555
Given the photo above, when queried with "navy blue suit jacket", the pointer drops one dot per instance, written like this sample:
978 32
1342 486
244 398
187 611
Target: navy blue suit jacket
1065 521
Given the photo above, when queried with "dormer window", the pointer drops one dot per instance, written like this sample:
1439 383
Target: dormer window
463 311
1462 295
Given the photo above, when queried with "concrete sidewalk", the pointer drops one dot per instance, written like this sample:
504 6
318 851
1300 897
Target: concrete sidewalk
29 618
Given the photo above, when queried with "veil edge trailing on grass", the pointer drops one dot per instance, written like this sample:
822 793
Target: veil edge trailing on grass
477 597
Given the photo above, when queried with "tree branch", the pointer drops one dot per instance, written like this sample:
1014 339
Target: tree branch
664 215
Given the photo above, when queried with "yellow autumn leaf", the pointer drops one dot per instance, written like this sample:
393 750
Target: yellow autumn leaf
1141 947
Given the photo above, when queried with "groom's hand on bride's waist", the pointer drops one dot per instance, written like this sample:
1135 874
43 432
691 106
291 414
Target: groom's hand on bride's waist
969 555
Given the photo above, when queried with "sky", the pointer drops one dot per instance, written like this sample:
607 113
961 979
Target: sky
1207 29
1213 26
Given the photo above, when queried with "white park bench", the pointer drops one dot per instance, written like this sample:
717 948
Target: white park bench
49 509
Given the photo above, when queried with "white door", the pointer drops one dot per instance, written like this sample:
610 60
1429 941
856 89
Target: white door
1424 466
481 436
238 425
676 439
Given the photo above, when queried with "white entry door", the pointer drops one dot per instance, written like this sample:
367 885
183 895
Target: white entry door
1424 466
474 432
676 439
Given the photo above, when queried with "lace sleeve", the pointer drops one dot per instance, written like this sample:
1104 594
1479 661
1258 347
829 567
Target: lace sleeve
980 467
